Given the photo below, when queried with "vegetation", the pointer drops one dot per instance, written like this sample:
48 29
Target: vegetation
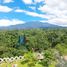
52 42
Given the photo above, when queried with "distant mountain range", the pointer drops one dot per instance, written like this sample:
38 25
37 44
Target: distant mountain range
29 25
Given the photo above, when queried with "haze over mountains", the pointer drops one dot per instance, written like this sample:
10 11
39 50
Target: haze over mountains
29 25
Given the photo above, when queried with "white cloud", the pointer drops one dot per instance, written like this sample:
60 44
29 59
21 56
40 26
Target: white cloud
58 21
27 1
38 1
31 1
56 10
7 22
7 1
33 8
32 13
5 9
19 10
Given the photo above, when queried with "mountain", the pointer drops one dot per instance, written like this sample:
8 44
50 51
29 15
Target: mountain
29 25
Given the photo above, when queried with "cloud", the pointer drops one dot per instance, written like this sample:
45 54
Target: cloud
38 1
5 9
19 10
56 11
31 1
33 8
7 22
43 21
59 21
7 1
27 1
32 13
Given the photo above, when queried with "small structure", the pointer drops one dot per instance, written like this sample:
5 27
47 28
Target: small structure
16 58
11 59
21 57
5 59
39 56
1 60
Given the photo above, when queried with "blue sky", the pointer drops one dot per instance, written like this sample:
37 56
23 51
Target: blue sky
14 12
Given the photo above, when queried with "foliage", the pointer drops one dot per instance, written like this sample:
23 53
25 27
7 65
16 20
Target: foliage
35 40
48 58
62 48
30 59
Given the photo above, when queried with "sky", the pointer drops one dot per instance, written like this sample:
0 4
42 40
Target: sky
14 12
